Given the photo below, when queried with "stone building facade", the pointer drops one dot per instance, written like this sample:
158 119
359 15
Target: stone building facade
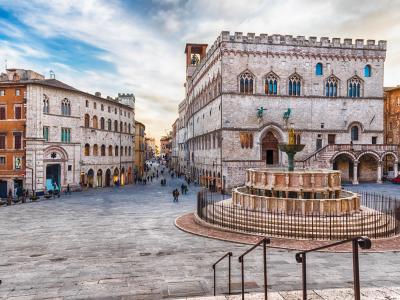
76 139
139 149
246 91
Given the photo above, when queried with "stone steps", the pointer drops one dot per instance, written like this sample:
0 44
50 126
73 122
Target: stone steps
303 227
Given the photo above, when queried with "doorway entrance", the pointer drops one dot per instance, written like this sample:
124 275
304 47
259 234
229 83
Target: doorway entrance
269 148
3 189
53 176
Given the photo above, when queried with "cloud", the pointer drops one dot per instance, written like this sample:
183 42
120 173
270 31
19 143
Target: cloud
144 42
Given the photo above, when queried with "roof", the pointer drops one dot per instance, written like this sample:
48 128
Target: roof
54 83
195 45
392 88
140 123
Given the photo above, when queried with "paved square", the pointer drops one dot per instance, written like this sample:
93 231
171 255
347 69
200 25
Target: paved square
122 243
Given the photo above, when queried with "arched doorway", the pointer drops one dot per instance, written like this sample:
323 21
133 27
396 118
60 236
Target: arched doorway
390 165
100 178
368 168
344 163
108 177
269 149
53 176
123 176
116 175
130 179
90 178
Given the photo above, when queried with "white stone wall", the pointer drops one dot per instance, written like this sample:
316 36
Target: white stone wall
284 55
72 154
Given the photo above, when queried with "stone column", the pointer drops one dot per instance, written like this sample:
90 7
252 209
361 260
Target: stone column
355 169
379 172
396 168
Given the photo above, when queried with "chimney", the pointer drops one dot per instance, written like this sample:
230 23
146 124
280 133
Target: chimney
97 94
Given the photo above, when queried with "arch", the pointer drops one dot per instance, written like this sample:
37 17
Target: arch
346 153
318 69
367 71
90 178
371 153
121 127
62 154
294 84
109 125
275 128
344 161
271 81
116 175
115 125
87 121
396 158
102 123
65 107
87 150
369 167
108 177
95 123
246 81
46 104
95 150
103 150
355 123
122 176
110 150
100 178
116 151
354 87
331 86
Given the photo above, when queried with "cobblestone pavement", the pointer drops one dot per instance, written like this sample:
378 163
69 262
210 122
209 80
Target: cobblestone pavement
122 243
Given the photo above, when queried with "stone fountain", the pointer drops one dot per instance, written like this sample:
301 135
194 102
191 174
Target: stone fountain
291 148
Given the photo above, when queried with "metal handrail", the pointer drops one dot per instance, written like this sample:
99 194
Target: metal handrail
263 241
362 242
229 254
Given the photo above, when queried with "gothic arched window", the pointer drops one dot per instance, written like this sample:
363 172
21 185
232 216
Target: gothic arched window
367 71
46 106
354 87
65 107
331 86
95 124
116 150
271 84
110 150
95 150
102 123
294 85
87 150
246 83
109 125
103 150
318 69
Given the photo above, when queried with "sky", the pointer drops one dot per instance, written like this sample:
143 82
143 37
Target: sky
137 47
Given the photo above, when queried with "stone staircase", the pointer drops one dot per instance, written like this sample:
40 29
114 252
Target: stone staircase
369 223
320 159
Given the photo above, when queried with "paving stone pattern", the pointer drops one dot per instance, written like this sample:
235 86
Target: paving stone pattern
122 244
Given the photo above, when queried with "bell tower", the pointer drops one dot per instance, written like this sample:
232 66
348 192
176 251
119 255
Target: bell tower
194 55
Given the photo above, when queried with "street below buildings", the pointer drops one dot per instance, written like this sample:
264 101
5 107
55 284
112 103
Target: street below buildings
116 243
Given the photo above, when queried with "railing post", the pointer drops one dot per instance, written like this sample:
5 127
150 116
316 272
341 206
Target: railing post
229 273
356 270
214 280
265 268
301 258
242 259
304 275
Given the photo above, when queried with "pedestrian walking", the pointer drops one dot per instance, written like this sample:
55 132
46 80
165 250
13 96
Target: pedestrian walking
68 190
177 195
182 188
174 195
